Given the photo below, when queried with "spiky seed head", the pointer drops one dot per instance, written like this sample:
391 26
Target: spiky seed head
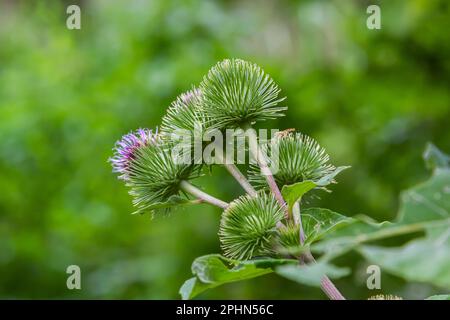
152 173
184 114
237 92
299 158
248 226
126 148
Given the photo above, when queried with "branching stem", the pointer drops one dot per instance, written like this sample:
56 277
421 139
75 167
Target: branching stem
327 286
241 179
298 220
262 162
199 194
237 174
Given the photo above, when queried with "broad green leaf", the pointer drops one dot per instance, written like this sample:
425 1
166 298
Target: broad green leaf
294 192
193 287
428 201
317 222
424 260
329 178
271 263
423 206
311 274
435 158
439 297
214 270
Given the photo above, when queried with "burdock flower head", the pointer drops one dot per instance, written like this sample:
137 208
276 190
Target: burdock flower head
237 93
185 123
126 148
299 158
249 227
184 114
145 162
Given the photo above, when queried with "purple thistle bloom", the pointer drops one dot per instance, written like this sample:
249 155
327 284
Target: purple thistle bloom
125 149
188 96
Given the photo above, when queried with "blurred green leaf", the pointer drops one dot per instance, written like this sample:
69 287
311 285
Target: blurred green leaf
311 274
318 222
435 158
423 206
423 260
439 297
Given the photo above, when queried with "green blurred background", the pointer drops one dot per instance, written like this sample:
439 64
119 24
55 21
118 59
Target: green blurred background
373 98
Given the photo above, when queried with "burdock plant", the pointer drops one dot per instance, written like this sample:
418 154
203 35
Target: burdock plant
262 231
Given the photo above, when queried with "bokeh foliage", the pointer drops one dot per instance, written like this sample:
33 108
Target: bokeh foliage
371 98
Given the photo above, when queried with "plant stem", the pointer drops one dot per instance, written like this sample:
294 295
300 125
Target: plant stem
298 220
330 289
327 286
262 162
237 174
189 188
241 179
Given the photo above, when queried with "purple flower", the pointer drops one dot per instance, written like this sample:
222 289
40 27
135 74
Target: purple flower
188 96
125 149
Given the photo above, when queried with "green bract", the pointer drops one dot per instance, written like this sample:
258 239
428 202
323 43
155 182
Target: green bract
238 92
289 235
184 115
248 227
299 158
154 176
185 123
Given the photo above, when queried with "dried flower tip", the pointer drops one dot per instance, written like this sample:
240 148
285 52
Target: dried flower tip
284 133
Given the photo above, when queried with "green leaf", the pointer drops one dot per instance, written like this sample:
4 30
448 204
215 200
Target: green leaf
294 192
311 274
214 270
425 207
429 201
421 207
193 287
435 158
423 260
318 222
329 178
439 297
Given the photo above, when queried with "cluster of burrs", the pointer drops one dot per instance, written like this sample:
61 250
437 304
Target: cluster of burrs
234 94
